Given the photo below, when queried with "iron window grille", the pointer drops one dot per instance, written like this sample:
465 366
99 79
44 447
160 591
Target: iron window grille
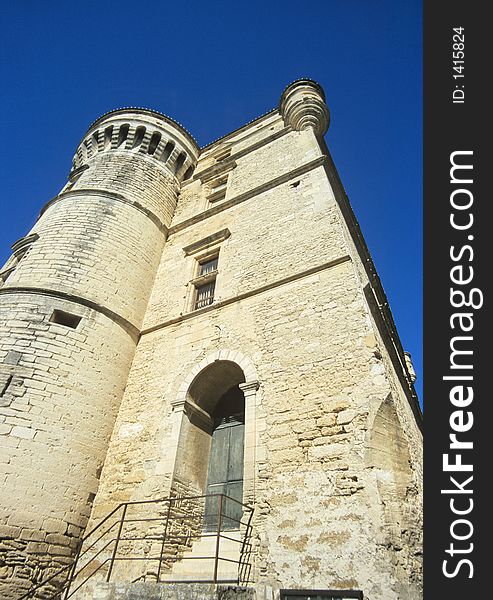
205 294
205 282
208 266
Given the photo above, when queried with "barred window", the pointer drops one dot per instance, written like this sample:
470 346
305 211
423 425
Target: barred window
208 266
205 294
205 280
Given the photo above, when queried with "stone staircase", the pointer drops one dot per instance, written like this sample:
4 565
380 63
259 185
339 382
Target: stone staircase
193 566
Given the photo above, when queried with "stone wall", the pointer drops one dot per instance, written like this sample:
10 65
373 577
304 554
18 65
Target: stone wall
54 427
96 248
137 178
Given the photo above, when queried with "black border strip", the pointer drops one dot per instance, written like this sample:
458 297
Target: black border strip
456 125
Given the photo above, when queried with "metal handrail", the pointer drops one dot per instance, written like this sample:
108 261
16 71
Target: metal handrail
186 517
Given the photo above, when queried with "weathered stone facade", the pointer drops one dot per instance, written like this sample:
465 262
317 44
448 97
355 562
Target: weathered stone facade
115 409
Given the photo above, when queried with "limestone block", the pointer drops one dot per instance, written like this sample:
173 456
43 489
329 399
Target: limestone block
345 416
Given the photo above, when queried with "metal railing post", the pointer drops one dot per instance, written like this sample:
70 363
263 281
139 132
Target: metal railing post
164 540
245 562
117 541
219 519
72 570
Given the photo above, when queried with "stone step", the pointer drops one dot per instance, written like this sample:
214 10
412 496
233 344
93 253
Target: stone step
171 591
208 544
193 567
203 571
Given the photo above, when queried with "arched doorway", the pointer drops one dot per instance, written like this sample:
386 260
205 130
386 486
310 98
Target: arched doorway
210 457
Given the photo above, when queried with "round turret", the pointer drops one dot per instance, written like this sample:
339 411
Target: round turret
72 303
101 238
140 132
303 106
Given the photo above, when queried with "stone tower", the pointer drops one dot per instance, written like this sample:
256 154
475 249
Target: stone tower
174 306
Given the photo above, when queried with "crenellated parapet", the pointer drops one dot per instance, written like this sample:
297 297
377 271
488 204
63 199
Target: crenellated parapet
140 132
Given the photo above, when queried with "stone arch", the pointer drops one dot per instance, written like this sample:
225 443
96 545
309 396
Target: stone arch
206 384
389 456
234 356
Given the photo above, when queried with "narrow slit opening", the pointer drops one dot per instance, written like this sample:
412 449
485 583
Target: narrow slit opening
6 385
108 132
139 136
123 134
95 137
179 162
168 149
188 173
155 139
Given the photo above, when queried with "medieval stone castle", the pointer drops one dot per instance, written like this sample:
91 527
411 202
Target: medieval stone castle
202 390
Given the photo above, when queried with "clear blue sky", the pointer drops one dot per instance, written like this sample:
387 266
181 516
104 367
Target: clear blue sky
214 66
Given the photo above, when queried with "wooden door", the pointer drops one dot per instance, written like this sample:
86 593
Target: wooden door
225 474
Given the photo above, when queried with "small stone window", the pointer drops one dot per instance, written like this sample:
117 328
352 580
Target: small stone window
222 154
60 317
208 266
205 282
205 294
204 270
218 189
22 246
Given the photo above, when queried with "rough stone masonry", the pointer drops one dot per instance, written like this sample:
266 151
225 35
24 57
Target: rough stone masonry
163 285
